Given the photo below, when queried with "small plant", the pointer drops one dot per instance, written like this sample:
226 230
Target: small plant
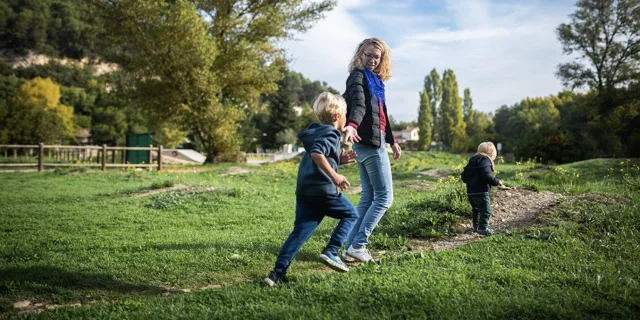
162 184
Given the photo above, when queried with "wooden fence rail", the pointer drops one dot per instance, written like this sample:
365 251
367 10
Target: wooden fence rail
78 153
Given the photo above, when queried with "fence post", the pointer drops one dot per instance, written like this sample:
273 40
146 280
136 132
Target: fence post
104 157
124 156
159 157
150 156
40 157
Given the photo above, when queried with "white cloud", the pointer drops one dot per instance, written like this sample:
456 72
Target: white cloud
324 52
503 52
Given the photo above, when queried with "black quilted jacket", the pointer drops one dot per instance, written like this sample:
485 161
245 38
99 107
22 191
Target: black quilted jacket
363 109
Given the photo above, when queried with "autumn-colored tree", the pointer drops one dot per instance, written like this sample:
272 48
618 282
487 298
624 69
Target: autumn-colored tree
37 115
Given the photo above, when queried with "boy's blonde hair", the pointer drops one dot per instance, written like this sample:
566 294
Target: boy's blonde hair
327 105
383 69
488 149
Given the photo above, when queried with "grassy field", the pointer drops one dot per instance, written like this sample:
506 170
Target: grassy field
116 241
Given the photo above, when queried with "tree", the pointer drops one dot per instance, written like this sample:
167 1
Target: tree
467 106
282 116
480 128
287 136
531 129
9 86
605 34
451 123
54 27
433 88
204 65
424 122
37 115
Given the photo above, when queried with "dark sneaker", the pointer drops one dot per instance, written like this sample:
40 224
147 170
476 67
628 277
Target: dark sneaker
273 279
485 232
333 261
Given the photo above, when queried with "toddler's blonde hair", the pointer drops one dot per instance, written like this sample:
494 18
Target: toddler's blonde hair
327 105
488 149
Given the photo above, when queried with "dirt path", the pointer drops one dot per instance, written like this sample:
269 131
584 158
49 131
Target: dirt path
511 208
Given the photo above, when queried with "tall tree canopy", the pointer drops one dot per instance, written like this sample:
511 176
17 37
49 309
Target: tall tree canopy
451 119
605 36
201 64
424 122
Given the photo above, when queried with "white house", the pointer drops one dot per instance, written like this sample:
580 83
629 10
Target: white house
408 134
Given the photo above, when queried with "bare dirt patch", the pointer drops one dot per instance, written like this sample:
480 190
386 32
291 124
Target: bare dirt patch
186 169
511 208
235 170
353 189
420 185
178 187
604 198
436 173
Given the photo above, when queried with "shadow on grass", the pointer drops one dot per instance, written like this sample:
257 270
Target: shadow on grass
303 255
49 283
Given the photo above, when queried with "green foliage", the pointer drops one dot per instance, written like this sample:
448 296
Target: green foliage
281 113
203 66
92 236
36 114
424 122
605 35
433 87
479 125
287 136
467 106
480 128
9 86
452 128
54 27
531 129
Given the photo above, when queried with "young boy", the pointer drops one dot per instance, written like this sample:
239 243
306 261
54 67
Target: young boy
318 187
477 175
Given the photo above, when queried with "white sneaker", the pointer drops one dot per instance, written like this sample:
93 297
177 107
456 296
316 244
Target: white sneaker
345 257
361 254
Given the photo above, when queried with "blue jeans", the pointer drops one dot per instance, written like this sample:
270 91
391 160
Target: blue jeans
377 191
309 213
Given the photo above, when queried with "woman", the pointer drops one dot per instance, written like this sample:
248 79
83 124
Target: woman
368 130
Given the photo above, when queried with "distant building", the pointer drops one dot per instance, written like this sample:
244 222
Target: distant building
408 134
83 136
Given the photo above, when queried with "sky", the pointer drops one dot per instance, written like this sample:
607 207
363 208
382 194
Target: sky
502 50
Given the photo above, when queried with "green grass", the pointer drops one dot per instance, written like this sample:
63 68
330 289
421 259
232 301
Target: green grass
91 237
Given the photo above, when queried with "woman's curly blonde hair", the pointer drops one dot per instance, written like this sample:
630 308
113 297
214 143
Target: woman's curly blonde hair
383 70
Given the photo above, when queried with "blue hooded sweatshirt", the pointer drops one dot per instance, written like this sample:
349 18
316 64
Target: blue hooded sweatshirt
477 175
323 139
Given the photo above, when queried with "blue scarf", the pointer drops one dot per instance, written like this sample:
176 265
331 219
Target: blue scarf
376 87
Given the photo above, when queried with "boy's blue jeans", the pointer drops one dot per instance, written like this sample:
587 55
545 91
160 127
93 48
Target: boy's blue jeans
309 213
377 191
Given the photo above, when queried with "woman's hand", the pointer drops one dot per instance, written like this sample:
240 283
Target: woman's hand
396 151
351 135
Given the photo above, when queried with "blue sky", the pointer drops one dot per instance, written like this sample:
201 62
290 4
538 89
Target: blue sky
502 50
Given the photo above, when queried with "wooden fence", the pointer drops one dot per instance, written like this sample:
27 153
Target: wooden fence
79 155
